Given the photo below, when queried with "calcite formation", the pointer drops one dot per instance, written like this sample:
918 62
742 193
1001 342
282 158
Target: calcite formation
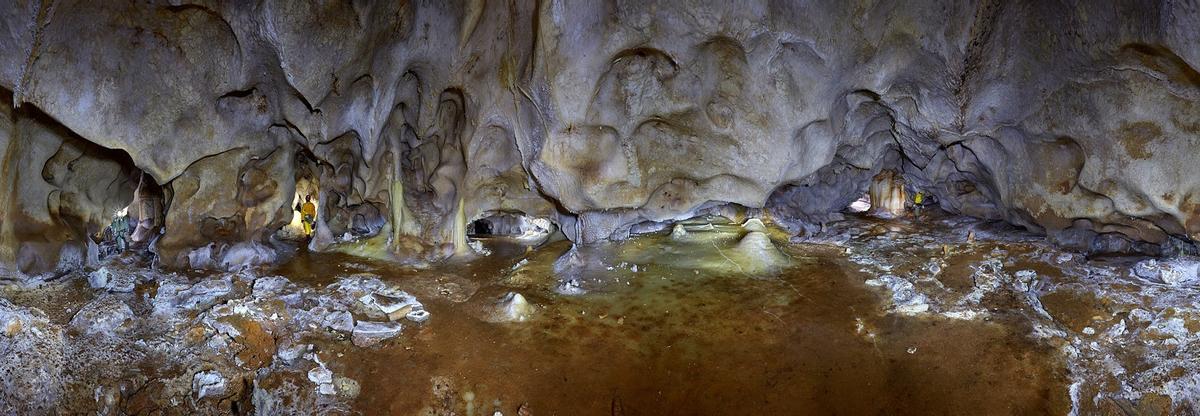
411 119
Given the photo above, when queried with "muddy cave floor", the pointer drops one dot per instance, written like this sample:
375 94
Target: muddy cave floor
873 316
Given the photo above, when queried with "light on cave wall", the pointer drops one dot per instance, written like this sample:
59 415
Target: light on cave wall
861 205
295 228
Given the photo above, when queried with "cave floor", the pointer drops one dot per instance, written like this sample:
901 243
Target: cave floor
936 315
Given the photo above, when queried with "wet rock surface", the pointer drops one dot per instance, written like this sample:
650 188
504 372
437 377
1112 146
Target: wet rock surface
910 300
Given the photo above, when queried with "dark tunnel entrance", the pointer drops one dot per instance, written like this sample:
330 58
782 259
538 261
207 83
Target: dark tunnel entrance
515 225
481 227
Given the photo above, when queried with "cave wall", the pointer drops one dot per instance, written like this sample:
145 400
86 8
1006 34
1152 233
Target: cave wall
59 190
1066 117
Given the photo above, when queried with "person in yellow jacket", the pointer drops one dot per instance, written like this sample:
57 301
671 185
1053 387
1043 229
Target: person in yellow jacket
919 202
308 215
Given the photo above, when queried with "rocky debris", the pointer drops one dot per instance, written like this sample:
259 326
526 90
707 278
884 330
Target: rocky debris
209 384
323 378
478 248
569 287
31 373
201 257
288 392
1024 280
103 278
104 315
98 279
989 275
905 299
250 333
1173 272
271 285
374 298
173 295
346 387
248 254
367 333
418 315
341 321
289 353
1124 331
395 304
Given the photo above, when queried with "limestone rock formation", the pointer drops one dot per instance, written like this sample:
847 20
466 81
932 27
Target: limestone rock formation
1078 121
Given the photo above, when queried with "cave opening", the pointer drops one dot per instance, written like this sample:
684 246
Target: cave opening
510 224
70 203
138 224
305 200
135 226
481 227
860 205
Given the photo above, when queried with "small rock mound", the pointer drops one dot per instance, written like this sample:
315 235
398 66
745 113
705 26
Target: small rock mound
514 308
678 232
759 253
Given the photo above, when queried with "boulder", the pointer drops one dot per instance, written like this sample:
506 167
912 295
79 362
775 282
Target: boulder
105 315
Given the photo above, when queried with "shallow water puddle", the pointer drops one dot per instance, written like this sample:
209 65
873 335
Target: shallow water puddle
687 334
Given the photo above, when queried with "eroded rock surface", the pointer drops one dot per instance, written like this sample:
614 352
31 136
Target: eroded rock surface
1077 121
